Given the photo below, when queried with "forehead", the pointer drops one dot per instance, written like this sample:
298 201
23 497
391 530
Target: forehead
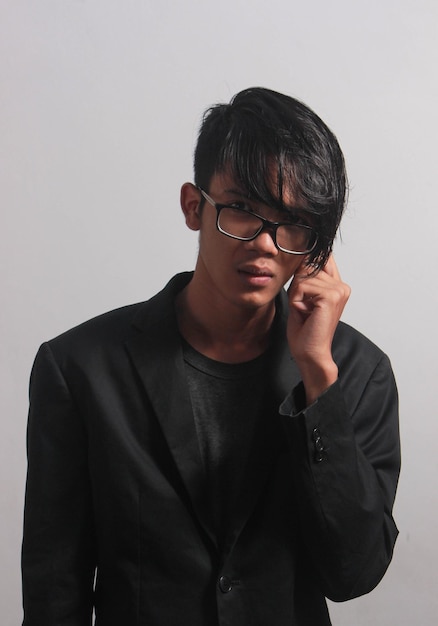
270 193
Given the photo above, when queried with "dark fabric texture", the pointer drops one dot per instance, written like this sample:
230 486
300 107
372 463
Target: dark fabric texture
229 408
116 483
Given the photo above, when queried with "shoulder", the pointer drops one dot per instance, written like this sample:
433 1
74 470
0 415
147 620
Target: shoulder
107 327
112 329
108 333
350 345
362 364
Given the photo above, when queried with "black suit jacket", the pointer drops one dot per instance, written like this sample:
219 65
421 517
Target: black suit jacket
116 482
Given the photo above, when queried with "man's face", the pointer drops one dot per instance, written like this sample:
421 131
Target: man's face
246 274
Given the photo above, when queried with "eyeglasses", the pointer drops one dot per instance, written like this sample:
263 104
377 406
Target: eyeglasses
238 222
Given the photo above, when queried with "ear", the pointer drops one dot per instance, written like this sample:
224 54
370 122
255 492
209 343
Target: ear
190 200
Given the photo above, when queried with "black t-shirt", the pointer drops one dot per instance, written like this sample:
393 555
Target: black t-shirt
229 405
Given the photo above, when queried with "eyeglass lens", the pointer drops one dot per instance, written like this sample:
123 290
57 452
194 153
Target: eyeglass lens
290 237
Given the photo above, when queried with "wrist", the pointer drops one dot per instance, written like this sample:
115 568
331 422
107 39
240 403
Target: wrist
317 378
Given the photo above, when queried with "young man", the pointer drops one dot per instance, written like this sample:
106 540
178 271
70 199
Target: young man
226 453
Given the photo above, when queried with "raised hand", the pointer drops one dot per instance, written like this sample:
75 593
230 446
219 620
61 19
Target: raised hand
316 303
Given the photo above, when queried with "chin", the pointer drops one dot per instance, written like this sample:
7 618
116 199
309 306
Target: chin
257 301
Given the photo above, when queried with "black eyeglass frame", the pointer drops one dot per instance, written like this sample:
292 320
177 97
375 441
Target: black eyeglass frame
267 225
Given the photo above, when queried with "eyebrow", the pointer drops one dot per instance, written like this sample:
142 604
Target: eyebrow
237 192
293 211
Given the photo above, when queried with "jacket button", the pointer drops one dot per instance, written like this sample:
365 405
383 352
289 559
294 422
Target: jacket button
320 454
225 584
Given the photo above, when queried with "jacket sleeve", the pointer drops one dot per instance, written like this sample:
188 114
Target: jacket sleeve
347 461
58 554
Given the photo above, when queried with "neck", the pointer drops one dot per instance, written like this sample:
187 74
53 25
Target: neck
228 334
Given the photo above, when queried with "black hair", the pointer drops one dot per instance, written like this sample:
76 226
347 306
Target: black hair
270 142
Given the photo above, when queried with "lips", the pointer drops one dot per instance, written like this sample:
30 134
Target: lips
255 277
255 271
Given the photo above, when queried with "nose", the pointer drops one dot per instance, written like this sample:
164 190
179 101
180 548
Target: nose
264 243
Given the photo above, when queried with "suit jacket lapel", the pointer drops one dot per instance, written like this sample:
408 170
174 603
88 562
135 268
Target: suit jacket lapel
157 355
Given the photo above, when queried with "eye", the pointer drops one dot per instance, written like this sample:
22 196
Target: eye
297 220
242 206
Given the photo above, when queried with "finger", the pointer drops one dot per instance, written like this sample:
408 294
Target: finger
331 268
311 284
304 269
302 290
320 288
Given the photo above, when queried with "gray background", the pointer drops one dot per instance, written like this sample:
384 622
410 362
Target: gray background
100 105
